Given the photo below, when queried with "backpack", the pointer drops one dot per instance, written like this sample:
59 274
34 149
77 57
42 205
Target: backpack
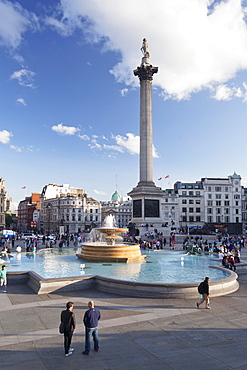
201 288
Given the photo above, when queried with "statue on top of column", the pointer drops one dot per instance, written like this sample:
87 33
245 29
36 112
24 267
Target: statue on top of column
144 48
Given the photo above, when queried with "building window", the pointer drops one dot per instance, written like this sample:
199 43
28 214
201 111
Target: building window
198 210
190 187
209 210
198 201
191 210
217 218
209 218
184 209
227 203
226 210
91 211
218 210
184 192
91 218
209 188
79 218
226 218
226 188
218 203
236 211
191 219
198 218
166 200
198 193
226 196
217 188
209 196
96 211
236 196
73 217
236 202
191 193
191 201
67 217
96 218
236 189
218 196
184 219
73 209
237 219
210 203
184 201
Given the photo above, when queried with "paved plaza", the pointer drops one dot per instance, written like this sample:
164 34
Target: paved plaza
134 333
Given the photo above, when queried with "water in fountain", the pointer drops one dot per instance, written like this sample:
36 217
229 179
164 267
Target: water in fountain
109 222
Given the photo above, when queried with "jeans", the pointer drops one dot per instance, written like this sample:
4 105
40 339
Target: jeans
88 333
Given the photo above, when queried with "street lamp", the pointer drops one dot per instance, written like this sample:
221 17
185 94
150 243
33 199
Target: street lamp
49 205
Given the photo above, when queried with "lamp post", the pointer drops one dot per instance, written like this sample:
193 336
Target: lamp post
49 205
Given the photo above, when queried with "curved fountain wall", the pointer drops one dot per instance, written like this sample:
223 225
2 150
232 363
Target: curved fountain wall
121 287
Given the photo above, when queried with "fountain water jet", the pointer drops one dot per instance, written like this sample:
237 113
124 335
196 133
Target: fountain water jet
112 250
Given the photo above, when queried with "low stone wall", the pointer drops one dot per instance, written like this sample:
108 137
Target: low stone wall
126 288
152 290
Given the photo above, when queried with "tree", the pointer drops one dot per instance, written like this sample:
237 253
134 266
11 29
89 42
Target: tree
8 220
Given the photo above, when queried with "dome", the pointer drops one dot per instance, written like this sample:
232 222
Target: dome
235 176
115 196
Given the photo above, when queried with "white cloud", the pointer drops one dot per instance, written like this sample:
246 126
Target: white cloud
65 130
14 22
84 137
95 145
5 136
114 148
24 77
21 101
16 148
131 142
196 44
100 192
124 92
226 92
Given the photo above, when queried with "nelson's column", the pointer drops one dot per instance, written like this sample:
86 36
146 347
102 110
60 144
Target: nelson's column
146 196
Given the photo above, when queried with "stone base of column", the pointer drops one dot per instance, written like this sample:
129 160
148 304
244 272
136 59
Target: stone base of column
146 200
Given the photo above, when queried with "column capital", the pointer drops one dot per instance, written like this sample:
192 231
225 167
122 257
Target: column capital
145 72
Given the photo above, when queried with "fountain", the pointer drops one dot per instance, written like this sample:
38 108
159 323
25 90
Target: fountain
112 249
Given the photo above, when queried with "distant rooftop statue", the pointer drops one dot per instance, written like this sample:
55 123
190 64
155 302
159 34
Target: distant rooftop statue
144 48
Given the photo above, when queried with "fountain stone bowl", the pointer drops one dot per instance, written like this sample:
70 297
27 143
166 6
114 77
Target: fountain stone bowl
112 249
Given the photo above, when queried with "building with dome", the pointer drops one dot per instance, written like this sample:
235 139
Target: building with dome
119 207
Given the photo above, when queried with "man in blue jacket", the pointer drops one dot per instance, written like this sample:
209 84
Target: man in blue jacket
90 320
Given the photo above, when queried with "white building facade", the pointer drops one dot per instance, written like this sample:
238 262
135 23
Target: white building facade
68 210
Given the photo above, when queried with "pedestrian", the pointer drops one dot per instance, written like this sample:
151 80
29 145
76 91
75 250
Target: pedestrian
69 322
203 289
3 277
90 320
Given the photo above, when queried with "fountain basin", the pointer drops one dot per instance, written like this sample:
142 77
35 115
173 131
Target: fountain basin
102 252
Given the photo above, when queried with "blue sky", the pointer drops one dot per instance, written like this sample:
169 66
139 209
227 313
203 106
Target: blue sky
69 103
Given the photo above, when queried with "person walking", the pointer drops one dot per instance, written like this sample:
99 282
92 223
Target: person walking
3 277
90 320
203 289
69 323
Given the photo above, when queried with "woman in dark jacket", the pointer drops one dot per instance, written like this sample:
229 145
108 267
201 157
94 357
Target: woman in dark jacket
68 321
